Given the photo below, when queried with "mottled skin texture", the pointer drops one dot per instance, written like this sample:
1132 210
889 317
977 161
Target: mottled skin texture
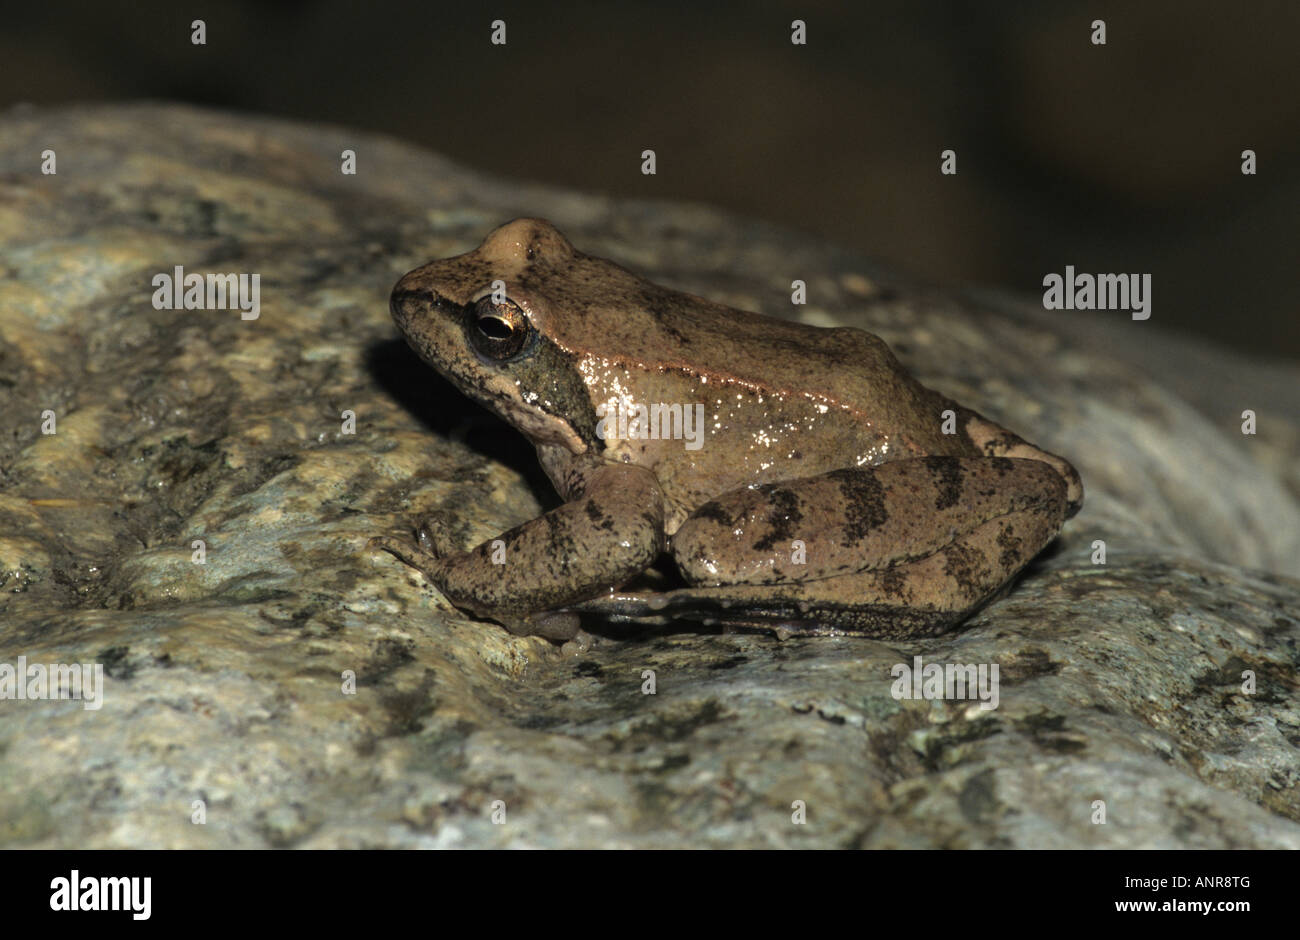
810 434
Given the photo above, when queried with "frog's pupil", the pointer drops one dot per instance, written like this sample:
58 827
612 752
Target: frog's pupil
494 327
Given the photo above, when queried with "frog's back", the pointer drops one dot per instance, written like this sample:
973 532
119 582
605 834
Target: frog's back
591 306
843 384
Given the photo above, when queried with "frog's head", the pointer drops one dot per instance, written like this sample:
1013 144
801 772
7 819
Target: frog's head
481 320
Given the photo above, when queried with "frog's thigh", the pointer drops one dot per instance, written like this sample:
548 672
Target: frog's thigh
883 517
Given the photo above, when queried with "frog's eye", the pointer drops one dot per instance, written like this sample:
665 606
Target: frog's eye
499 331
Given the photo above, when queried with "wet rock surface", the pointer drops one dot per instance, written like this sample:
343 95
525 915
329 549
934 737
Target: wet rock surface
1120 683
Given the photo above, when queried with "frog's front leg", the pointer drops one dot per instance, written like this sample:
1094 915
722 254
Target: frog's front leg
900 549
608 535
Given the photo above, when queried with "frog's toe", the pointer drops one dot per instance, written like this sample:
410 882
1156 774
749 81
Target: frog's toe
398 548
580 643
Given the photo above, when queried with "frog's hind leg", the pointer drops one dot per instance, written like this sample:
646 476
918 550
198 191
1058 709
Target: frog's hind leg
922 597
937 592
905 548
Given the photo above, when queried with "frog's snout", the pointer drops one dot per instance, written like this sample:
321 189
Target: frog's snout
431 323
397 309
408 295
413 304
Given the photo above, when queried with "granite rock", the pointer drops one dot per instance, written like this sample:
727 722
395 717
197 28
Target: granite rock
225 683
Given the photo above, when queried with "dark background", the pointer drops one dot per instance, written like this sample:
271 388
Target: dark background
1123 157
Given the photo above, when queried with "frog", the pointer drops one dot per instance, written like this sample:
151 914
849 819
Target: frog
810 485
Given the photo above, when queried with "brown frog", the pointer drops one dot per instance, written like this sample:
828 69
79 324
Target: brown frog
798 477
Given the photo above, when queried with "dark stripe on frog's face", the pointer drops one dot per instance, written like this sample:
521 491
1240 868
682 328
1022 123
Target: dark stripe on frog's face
542 376
547 372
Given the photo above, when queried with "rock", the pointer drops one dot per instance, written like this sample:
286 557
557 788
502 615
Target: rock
224 682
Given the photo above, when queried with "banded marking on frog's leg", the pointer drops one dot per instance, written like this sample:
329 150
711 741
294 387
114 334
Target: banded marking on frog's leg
591 544
858 519
996 441
923 597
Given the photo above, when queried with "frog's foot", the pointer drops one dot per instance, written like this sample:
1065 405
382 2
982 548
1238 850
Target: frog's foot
433 542
758 609
559 625
406 552
580 643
